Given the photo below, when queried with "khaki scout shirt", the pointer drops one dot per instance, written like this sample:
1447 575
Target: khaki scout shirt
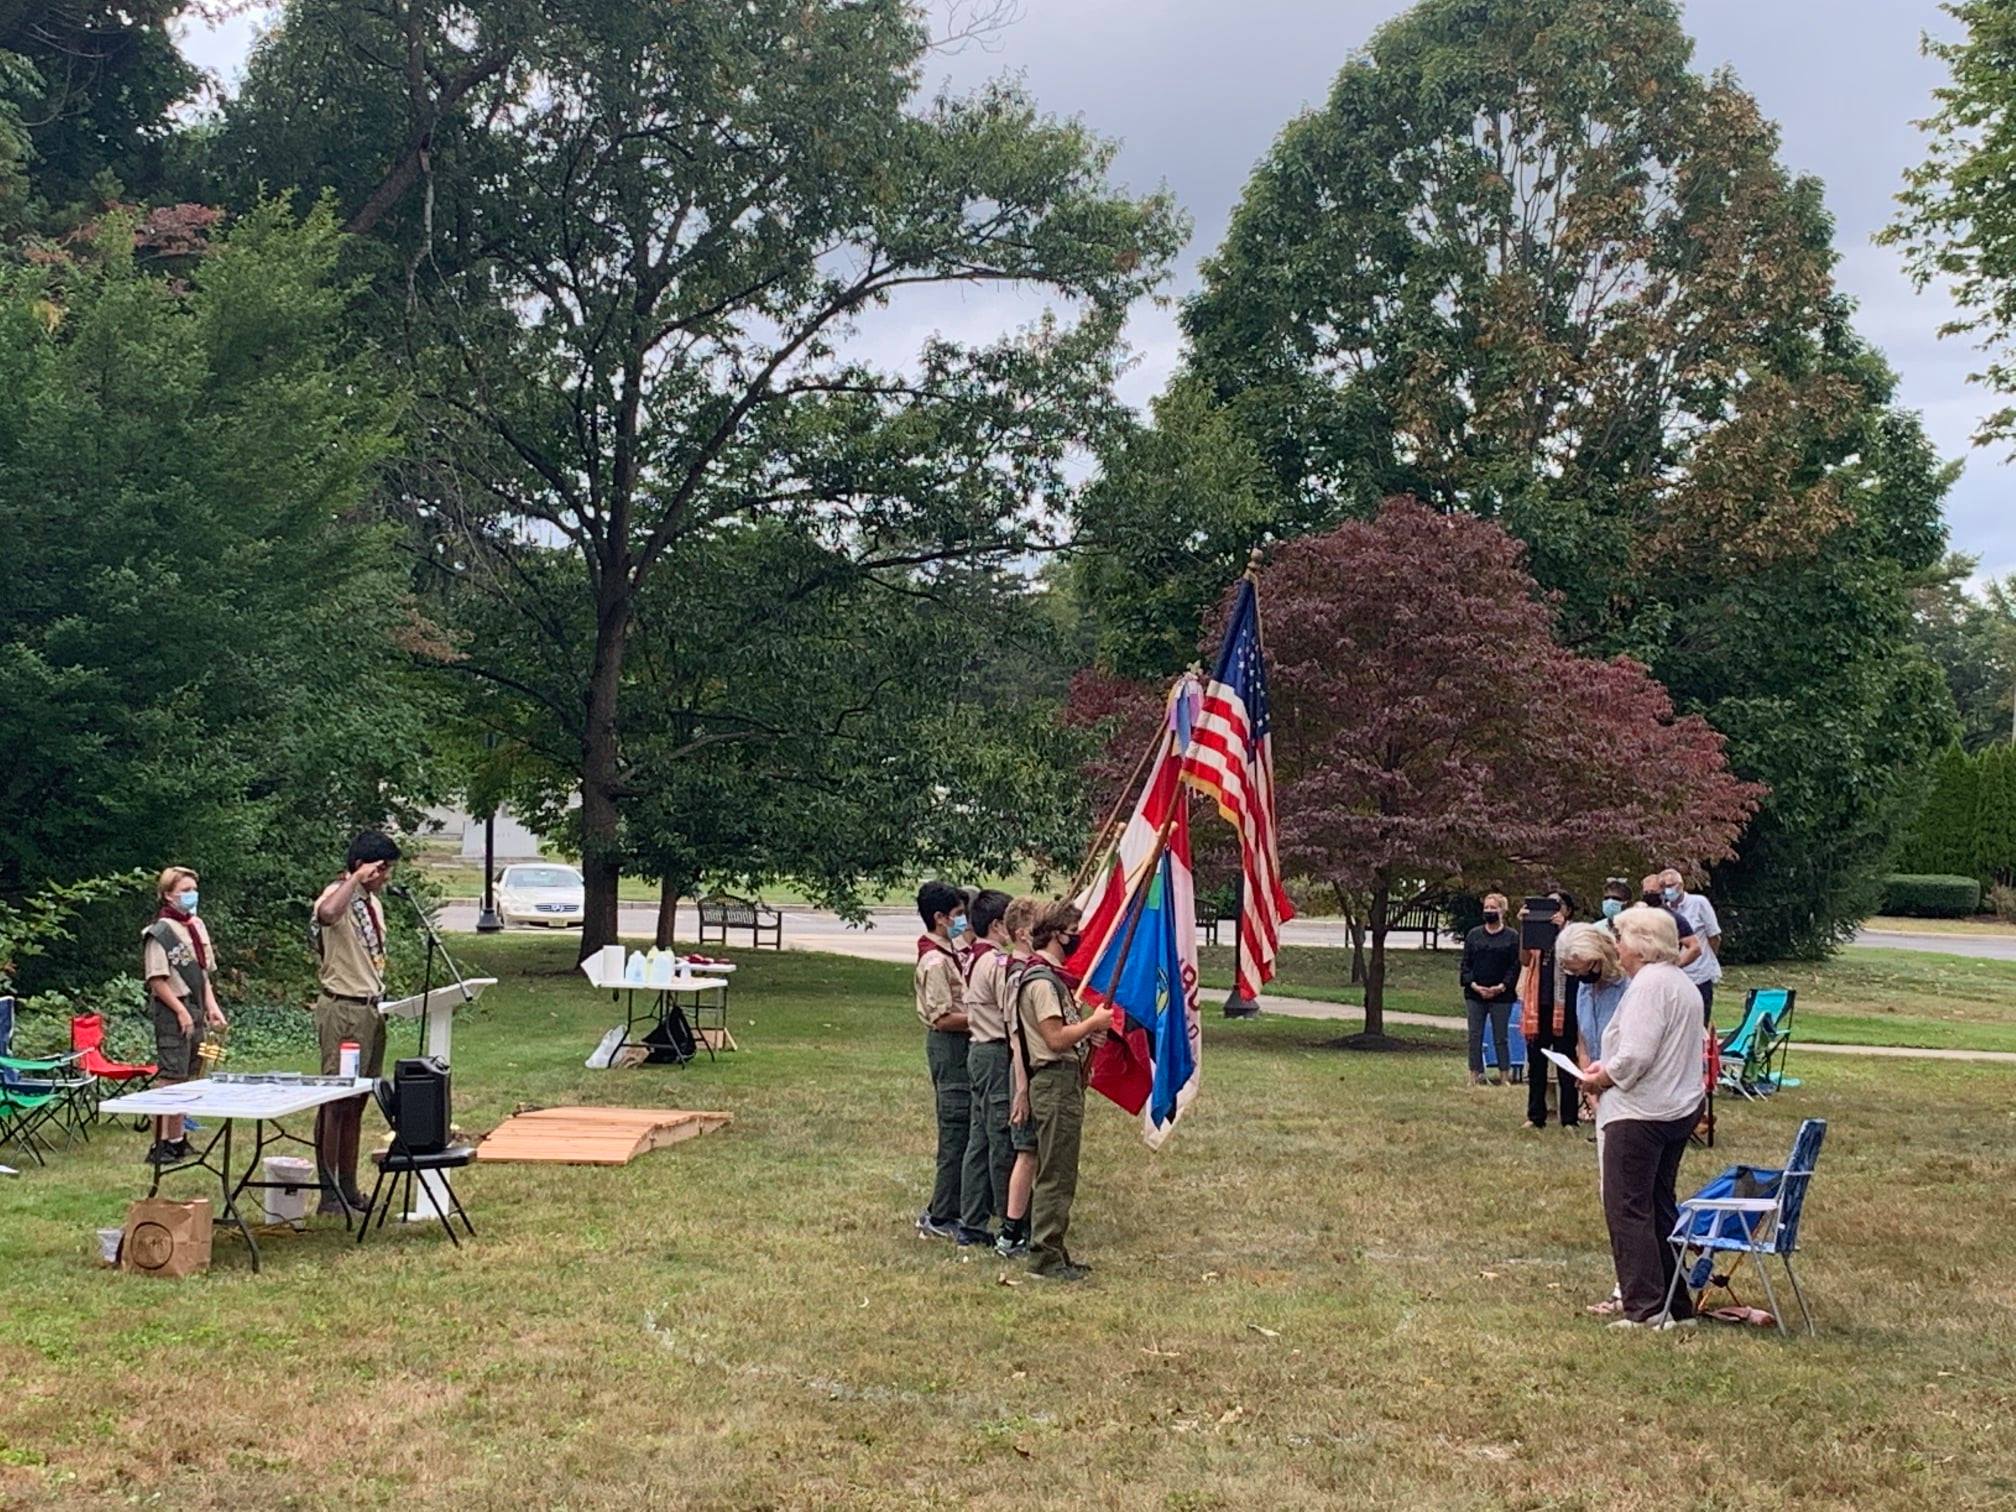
352 950
986 996
1041 997
938 986
154 959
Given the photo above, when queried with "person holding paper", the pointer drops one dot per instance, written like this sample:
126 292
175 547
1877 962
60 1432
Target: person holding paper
1588 954
1647 1087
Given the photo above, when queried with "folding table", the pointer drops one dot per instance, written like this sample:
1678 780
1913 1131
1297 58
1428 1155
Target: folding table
662 1002
261 1103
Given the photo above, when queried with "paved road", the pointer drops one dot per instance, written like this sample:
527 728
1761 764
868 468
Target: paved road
1982 947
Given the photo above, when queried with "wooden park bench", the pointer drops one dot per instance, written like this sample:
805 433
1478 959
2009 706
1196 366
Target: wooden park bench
723 912
1424 919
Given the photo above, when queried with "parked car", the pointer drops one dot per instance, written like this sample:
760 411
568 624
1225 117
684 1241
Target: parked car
541 894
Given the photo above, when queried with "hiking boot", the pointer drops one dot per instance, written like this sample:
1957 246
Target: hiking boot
1068 1270
930 1228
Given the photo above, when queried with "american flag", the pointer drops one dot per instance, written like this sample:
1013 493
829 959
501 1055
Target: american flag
1231 757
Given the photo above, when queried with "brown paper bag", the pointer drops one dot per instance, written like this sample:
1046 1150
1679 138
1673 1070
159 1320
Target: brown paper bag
166 1238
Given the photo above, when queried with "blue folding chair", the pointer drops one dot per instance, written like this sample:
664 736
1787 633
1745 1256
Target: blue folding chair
1748 1210
1515 1048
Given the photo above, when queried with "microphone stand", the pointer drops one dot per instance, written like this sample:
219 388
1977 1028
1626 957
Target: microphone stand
427 973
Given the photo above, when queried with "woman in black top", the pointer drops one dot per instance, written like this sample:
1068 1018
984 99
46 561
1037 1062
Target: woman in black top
1490 977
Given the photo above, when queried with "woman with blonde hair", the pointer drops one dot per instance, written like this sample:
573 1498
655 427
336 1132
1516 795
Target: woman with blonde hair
1647 1086
176 962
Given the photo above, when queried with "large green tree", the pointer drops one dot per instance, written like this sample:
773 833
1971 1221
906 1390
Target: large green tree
1526 263
201 633
631 270
1957 224
1971 635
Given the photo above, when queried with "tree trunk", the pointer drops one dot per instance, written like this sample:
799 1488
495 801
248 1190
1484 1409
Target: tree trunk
1354 929
670 891
1375 971
601 866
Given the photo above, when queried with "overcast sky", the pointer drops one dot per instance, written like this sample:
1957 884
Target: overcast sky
1195 90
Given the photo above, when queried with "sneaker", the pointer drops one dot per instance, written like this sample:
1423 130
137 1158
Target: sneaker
161 1153
179 1149
1011 1244
190 1126
967 1238
930 1228
357 1201
1069 1270
1628 1323
1668 1323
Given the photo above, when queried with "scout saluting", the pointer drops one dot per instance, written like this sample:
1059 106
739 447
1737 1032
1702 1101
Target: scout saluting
348 931
176 959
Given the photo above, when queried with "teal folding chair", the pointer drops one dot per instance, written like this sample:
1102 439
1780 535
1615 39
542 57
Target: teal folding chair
1753 1056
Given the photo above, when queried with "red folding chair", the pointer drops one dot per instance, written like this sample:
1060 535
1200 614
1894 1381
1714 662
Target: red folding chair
87 1039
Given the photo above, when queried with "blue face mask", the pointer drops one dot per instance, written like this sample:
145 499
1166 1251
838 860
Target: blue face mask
958 926
1671 894
186 901
1612 907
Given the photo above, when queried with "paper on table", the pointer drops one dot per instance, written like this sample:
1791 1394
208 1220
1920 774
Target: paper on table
1566 1064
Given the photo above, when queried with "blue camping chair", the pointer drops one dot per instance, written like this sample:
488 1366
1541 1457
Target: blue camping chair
1515 1048
1748 1210
1753 1056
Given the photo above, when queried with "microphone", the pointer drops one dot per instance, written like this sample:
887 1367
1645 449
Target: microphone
399 891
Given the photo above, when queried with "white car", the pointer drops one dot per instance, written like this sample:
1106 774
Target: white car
541 894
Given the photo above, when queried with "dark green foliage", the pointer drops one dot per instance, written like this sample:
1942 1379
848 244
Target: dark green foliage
1930 897
201 631
1943 838
1525 263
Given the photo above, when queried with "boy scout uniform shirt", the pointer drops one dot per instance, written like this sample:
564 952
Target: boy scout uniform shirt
154 959
986 1012
1041 996
937 979
352 950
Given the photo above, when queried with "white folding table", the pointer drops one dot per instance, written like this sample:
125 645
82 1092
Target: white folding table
260 1103
662 1000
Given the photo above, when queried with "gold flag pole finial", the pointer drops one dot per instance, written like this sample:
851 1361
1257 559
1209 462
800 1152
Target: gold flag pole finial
1253 562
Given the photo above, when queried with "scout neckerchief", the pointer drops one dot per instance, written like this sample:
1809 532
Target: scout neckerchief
188 922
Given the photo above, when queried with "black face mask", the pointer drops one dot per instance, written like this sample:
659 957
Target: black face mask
1493 916
1588 978
1652 899
1069 944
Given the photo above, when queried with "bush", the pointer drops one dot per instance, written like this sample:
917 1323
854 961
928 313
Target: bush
2002 903
1934 897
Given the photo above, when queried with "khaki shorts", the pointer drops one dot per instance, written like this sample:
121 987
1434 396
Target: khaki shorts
339 1019
174 1051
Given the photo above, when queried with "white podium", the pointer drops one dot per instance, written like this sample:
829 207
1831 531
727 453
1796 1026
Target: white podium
437 1008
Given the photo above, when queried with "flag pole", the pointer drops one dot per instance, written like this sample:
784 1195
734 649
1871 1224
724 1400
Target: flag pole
1106 837
1139 894
1237 1004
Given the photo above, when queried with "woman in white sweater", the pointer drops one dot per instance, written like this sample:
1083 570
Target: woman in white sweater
1648 1091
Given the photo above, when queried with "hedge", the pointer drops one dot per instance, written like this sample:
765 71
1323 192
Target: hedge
1933 897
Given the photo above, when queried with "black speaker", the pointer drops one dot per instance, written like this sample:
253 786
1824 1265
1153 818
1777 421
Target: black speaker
420 1090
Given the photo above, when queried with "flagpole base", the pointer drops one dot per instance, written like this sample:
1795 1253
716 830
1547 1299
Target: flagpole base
1237 1007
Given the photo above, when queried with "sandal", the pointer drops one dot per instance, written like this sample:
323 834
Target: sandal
1604 1308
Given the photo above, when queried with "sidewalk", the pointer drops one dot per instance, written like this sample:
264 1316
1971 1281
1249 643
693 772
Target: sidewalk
1305 1008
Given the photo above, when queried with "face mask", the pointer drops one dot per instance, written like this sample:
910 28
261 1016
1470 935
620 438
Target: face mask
186 901
1588 978
1671 894
1069 943
1612 907
1493 916
1653 900
958 926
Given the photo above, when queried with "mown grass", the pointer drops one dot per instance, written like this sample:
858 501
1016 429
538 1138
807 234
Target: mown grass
1862 996
1346 1282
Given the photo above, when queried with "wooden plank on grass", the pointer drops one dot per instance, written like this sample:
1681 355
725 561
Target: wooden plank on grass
594 1136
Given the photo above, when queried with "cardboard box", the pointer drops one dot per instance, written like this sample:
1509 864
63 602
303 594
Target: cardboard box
166 1238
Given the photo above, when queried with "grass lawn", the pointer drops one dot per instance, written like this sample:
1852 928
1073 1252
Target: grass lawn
1861 997
1993 928
1348 1280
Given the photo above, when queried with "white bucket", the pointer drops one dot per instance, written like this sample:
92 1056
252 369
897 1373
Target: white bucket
291 1204
108 1245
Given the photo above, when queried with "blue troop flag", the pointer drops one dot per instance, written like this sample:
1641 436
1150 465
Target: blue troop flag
1149 1064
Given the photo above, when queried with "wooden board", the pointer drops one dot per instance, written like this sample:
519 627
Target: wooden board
594 1136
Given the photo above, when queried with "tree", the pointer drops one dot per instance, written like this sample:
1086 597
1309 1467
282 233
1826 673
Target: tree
1972 638
633 337
1994 849
1525 264
1430 735
1943 841
202 630
1958 221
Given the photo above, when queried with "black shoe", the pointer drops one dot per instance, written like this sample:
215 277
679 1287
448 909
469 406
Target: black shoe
359 1203
162 1153
1069 1270
969 1237
181 1149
